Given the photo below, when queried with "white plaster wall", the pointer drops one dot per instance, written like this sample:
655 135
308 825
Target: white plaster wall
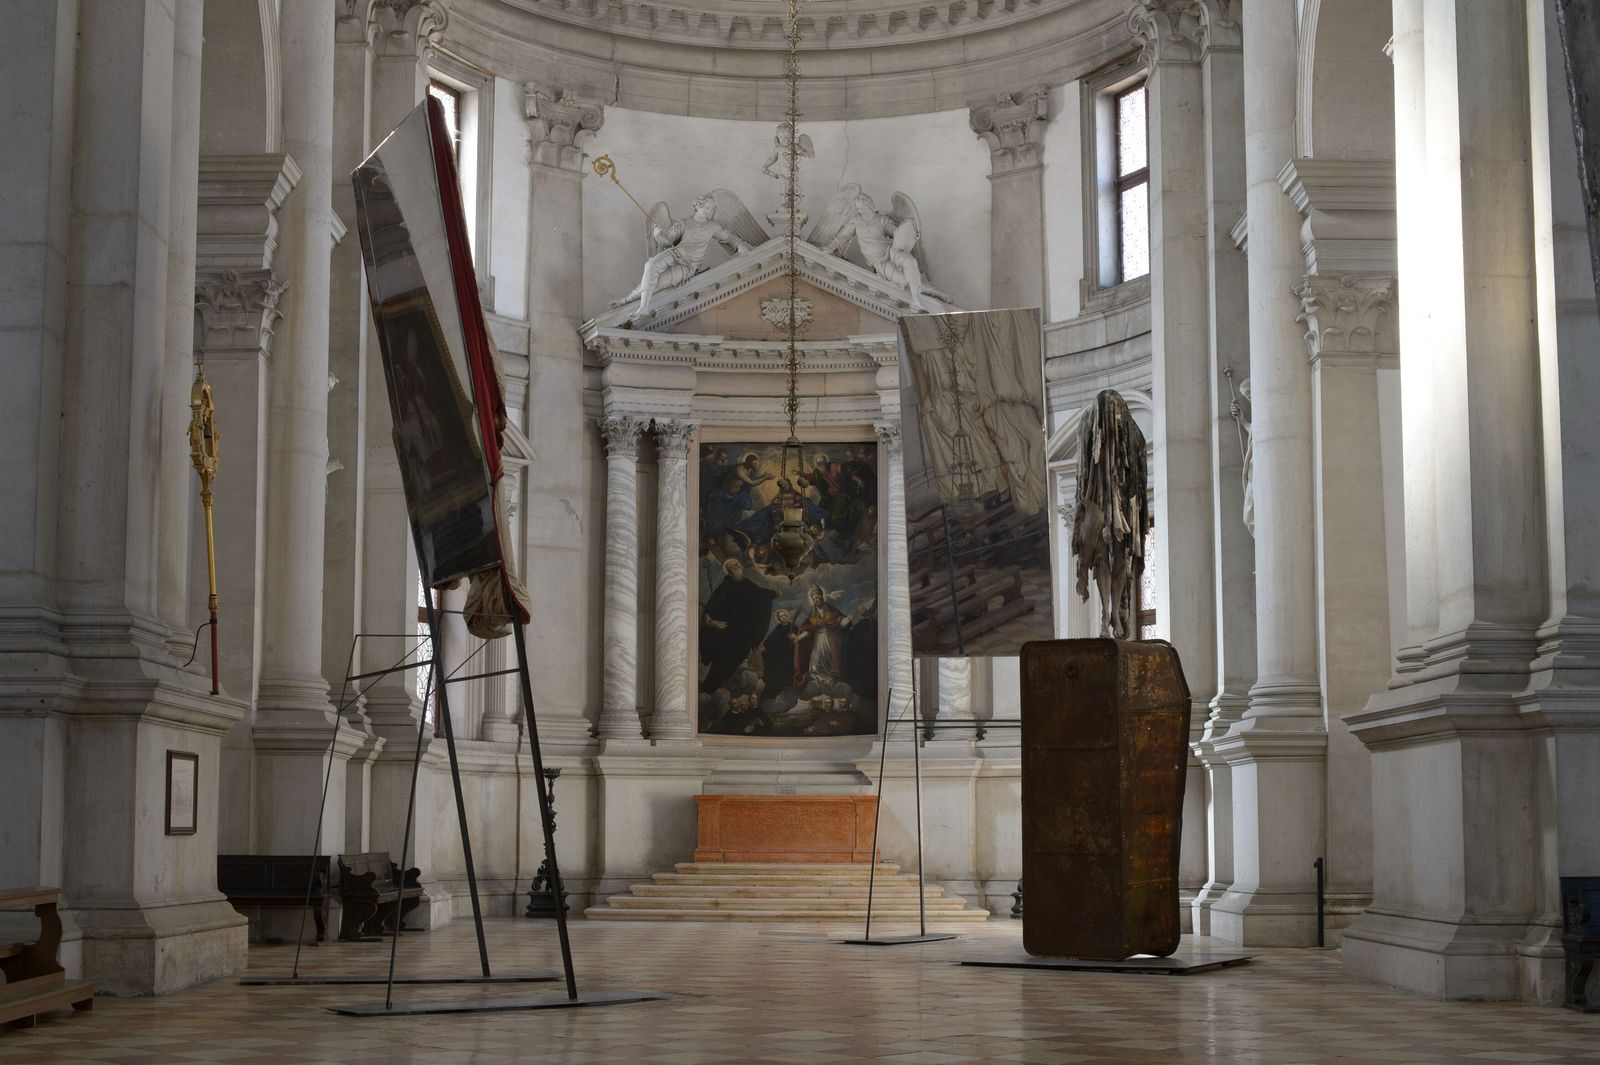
935 159
1063 203
508 251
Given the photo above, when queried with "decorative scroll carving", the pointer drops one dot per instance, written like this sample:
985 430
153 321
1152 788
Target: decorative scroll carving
621 436
1347 315
405 27
236 309
1012 125
1182 31
775 312
560 123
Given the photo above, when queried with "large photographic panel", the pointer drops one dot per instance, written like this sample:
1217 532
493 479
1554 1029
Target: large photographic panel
977 492
788 652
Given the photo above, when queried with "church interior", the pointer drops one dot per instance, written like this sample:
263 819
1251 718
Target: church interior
784 305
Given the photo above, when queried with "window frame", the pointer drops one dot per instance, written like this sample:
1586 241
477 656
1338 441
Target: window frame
1102 285
475 91
1122 184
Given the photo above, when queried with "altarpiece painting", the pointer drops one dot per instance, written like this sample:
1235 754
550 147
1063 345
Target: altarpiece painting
788 652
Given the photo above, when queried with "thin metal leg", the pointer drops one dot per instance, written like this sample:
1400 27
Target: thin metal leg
877 811
411 808
916 775
546 821
455 781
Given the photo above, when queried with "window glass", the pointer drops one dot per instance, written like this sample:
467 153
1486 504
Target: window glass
450 100
1133 221
1132 150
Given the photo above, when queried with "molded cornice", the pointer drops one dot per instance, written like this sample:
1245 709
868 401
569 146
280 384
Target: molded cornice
859 60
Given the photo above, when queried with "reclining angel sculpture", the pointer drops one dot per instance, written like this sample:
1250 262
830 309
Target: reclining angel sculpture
1111 517
888 242
678 247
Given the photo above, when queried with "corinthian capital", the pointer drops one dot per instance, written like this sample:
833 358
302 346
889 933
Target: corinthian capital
560 123
1347 316
673 439
621 436
888 435
405 27
1012 125
1182 31
236 310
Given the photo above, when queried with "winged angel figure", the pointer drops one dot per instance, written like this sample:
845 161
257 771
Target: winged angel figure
678 247
889 242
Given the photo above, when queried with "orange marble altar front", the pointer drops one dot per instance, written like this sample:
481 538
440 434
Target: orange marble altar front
785 828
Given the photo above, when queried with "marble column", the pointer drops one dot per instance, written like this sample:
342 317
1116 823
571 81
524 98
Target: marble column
897 639
1277 750
1171 33
563 529
101 697
1567 672
619 709
1470 805
672 720
294 723
1233 554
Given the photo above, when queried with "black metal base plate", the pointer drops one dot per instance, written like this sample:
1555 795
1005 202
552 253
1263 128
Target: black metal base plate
296 981
1177 965
496 1005
897 941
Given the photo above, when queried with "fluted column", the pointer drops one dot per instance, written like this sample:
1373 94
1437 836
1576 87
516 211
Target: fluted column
1277 750
672 720
898 577
619 713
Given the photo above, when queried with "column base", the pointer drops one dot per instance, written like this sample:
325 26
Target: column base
1265 919
158 949
1437 959
1201 905
663 781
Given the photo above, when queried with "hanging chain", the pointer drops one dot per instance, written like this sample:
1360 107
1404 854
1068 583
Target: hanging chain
791 404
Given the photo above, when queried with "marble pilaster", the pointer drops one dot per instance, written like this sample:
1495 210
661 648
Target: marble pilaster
1013 126
619 713
1277 750
672 720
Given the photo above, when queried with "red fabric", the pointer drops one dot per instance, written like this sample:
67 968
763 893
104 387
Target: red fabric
487 400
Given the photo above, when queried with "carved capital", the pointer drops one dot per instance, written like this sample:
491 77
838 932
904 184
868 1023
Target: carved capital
888 435
673 439
1012 125
1347 316
236 310
560 123
1182 31
621 436
404 28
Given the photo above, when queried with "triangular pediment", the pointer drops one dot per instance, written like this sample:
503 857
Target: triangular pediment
742 299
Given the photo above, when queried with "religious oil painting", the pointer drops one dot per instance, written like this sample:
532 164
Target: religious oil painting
788 650
977 496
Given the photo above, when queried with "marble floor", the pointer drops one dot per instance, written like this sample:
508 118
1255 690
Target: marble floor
762 995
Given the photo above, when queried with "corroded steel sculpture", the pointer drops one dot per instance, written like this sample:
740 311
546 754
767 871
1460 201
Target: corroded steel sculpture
1105 726
1112 515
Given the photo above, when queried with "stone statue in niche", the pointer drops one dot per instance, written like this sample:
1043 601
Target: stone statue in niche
678 247
890 243
1112 515
1241 417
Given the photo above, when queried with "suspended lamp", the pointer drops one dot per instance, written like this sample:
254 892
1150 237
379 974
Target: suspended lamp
792 542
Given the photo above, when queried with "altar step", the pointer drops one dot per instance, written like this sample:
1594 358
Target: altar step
757 891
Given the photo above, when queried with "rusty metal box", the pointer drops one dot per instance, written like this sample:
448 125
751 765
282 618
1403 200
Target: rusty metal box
1105 730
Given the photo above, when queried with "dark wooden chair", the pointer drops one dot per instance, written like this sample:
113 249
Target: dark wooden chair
34 981
277 881
376 895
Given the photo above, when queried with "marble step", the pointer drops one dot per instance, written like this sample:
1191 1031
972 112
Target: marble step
752 889
605 913
671 902
802 879
839 869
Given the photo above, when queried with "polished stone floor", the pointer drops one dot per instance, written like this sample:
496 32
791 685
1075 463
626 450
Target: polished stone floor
787 994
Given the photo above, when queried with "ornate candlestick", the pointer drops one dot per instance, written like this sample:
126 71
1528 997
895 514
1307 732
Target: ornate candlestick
541 900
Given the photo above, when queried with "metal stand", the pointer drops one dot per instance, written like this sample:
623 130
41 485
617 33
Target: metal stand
923 935
542 896
572 997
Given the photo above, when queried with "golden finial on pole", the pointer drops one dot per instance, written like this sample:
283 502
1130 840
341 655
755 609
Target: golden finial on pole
203 441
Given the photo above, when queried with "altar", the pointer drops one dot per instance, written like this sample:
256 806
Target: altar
785 828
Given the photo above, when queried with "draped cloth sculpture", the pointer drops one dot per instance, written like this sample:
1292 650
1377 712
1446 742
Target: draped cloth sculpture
1112 515
445 390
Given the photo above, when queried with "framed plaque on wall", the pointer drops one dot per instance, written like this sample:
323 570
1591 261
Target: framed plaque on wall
183 777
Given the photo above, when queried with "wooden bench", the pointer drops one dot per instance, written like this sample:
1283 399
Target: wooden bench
35 983
375 895
277 881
